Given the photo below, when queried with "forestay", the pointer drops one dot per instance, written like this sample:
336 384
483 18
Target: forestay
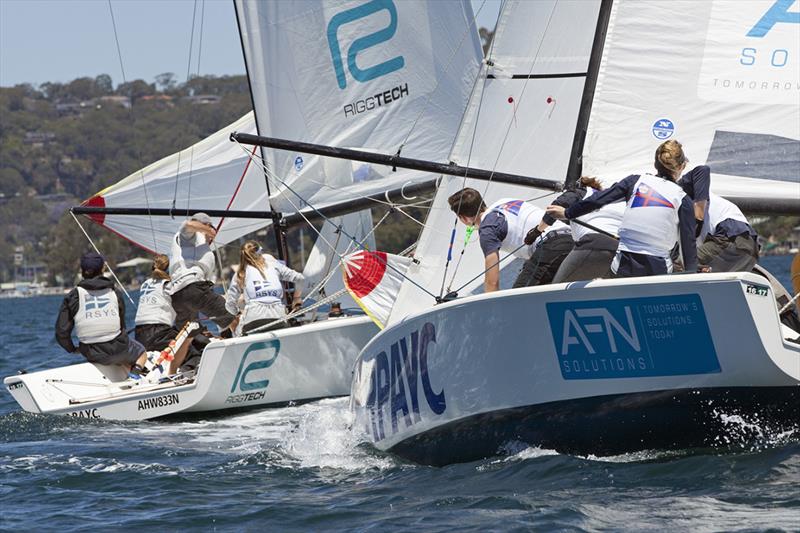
212 174
521 118
721 77
377 75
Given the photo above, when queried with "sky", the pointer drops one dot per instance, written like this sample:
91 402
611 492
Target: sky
60 40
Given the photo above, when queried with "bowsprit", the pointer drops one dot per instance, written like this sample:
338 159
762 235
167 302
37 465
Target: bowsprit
396 380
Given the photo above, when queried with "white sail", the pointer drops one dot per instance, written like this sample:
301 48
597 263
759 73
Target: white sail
521 119
212 174
377 75
721 77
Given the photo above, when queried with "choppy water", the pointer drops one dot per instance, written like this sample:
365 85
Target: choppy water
300 469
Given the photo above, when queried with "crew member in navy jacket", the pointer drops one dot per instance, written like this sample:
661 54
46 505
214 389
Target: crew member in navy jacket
658 212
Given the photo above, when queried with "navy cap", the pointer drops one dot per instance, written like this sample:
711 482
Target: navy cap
92 262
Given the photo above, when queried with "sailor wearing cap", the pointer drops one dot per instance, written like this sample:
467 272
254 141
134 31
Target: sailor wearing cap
505 225
95 310
191 270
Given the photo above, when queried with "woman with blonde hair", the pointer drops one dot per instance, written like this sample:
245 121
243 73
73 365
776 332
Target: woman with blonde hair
657 214
258 282
155 317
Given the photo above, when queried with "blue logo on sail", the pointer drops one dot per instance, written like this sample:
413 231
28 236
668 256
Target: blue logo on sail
363 43
778 12
663 129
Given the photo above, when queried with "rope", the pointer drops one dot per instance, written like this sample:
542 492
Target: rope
130 115
789 304
200 45
484 271
106 262
191 42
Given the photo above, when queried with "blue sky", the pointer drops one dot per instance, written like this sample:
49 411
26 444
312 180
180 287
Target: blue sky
60 40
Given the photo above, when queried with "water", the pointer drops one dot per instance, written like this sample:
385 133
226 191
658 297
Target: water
300 469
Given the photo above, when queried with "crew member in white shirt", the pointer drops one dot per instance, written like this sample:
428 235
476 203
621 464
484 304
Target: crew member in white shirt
503 226
258 283
191 269
728 243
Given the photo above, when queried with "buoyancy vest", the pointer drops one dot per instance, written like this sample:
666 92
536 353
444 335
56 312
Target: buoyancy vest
717 210
155 305
189 263
650 223
608 218
263 288
521 217
97 319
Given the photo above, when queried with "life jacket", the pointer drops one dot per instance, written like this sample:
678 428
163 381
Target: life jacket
717 210
97 319
608 217
650 223
155 305
521 217
263 288
189 263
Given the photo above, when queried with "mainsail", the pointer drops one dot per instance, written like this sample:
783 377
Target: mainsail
521 118
378 75
721 77
212 174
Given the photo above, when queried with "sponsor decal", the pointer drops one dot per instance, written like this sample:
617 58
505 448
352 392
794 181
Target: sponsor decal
398 380
158 401
250 375
15 386
751 53
632 337
663 129
84 413
298 163
378 100
357 46
758 290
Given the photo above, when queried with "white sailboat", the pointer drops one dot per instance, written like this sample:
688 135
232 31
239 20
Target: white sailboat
297 90
605 366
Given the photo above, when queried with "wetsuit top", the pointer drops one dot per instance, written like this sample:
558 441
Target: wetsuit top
155 305
657 212
506 223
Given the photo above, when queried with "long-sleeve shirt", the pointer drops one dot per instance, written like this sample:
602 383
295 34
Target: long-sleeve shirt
624 190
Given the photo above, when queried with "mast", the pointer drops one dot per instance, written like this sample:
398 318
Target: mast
278 225
574 170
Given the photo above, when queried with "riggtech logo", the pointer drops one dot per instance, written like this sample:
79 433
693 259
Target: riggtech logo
359 45
258 356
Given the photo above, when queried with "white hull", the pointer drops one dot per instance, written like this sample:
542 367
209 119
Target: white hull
608 366
286 366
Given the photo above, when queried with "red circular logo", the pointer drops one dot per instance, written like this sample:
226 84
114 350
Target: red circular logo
364 271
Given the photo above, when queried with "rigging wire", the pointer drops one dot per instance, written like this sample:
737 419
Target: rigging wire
448 64
272 176
200 45
130 115
106 262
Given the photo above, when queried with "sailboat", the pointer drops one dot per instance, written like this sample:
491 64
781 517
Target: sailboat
610 366
312 76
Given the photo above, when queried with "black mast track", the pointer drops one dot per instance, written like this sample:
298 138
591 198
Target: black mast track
279 228
576 155
395 161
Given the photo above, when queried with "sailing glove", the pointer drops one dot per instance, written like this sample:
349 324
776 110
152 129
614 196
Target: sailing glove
532 235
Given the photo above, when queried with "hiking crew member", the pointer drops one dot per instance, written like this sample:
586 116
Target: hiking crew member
258 281
657 213
729 242
593 252
155 317
504 225
95 310
191 269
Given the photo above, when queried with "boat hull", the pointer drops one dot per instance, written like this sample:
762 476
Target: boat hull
602 367
284 367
